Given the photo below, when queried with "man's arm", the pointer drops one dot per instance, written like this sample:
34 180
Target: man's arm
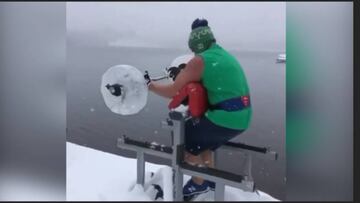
191 73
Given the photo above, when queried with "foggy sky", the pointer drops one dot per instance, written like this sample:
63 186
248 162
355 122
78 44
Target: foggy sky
236 25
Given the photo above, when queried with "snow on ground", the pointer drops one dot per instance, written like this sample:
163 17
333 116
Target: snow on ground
99 176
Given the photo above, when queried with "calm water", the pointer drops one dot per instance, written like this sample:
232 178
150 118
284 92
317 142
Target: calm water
91 123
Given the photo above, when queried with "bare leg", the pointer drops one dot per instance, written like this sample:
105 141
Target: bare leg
207 157
204 158
195 160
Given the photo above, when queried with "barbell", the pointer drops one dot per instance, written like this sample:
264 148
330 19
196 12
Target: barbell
124 89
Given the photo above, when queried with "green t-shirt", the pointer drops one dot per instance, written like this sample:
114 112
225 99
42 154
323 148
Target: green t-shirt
223 79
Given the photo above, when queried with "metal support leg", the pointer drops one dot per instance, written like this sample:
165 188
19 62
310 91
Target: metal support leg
140 168
178 185
248 167
215 158
219 191
178 139
249 181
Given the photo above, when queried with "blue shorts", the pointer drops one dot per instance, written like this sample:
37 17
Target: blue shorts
205 135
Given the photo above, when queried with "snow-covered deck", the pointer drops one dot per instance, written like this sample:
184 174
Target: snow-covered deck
95 175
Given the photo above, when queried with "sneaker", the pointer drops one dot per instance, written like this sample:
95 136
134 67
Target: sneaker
211 184
191 189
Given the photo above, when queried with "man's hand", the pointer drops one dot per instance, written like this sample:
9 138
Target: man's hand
147 78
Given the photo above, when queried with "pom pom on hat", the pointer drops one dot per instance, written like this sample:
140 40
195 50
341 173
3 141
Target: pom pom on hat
201 36
199 23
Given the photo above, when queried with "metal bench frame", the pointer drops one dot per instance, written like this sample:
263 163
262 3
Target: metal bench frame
180 168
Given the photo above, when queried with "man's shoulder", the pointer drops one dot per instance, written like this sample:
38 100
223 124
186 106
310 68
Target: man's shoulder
197 60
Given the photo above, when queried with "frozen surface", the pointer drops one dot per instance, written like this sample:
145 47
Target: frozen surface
134 90
95 175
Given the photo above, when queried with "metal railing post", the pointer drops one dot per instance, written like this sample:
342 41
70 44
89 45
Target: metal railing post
140 168
220 191
178 138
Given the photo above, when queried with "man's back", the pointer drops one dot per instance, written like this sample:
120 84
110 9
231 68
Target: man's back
224 78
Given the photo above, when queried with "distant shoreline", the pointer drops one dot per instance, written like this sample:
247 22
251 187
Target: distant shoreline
166 48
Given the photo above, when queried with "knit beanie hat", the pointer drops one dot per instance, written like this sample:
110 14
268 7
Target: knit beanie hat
201 36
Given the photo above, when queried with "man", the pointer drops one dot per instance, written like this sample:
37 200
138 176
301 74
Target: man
229 113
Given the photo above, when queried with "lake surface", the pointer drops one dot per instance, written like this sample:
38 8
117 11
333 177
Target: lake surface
91 123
